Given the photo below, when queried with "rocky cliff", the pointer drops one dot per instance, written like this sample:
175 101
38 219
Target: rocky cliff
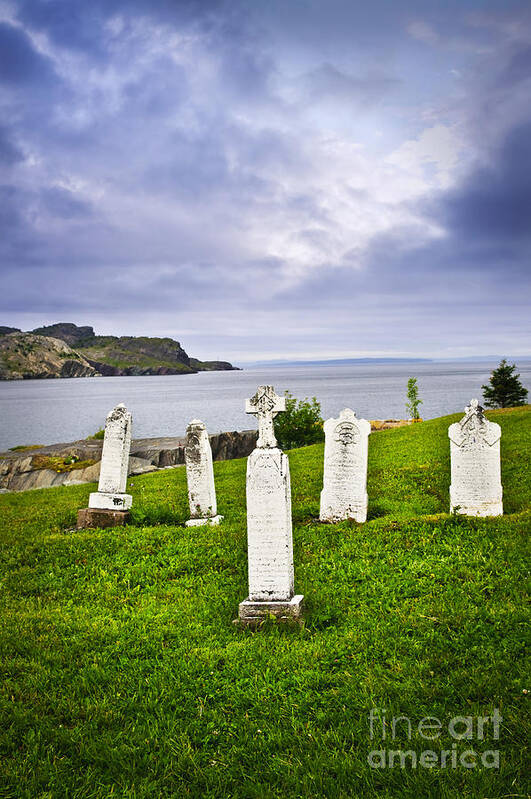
104 355
25 356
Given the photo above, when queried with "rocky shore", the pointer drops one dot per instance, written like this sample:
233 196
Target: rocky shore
79 461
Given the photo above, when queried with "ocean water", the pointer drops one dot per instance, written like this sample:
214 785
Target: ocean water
52 411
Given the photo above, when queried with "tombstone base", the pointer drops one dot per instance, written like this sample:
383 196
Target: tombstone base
103 501
357 513
251 614
484 509
101 517
212 520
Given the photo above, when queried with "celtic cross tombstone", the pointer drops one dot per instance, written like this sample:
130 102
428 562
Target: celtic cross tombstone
265 405
476 488
269 528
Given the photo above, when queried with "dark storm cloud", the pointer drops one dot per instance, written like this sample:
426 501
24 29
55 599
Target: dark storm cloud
63 204
19 62
11 217
518 68
9 152
494 202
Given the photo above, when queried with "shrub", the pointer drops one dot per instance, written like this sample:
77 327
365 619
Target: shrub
301 424
412 406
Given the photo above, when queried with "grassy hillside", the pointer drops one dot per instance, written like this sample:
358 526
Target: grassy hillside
123 674
137 354
144 355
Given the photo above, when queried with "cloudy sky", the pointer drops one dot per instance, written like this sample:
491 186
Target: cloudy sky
269 178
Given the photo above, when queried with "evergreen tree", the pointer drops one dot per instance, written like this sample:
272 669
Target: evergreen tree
505 389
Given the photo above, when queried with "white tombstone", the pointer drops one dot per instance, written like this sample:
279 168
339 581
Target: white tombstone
344 494
114 463
269 530
476 488
200 476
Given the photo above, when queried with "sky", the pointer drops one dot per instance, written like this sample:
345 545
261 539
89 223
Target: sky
264 179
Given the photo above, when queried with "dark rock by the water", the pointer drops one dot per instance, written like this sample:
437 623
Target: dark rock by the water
212 366
20 471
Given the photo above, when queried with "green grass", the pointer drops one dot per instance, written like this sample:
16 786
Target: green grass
124 676
125 359
60 463
23 447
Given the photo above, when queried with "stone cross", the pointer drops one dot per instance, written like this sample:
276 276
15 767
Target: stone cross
114 462
265 405
476 488
200 476
269 528
344 494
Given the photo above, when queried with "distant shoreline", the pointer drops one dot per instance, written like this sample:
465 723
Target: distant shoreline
354 361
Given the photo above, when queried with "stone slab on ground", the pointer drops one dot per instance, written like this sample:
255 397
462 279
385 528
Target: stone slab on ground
100 501
253 613
212 520
98 517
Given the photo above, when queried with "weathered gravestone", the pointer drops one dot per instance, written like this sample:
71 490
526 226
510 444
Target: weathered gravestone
344 494
109 506
269 530
200 476
476 488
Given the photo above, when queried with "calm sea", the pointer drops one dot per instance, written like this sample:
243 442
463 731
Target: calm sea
51 411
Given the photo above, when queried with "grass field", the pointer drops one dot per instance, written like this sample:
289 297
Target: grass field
123 675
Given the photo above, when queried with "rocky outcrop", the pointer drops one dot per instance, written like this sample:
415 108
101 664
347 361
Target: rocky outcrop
20 471
212 366
164 452
27 356
66 331
128 355
105 369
